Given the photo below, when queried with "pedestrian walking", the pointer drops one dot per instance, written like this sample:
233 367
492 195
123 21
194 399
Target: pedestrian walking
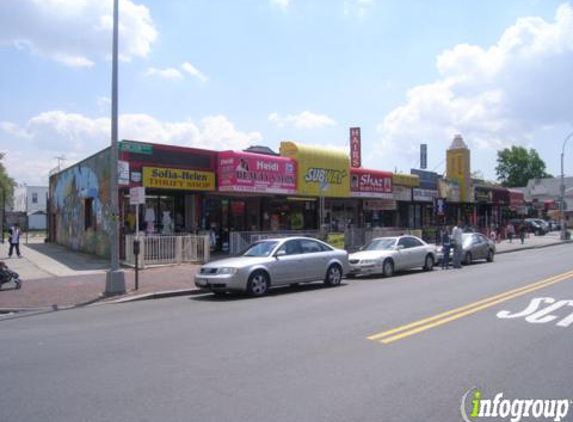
14 241
446 247
510 232
457 243
522 231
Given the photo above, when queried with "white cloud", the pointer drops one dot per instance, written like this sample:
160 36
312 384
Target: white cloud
192 70
357 7
283 4
304 120
169 73
494 96
44 26
56 133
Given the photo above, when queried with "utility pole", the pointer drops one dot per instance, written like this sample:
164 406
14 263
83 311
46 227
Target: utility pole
115 281
562 191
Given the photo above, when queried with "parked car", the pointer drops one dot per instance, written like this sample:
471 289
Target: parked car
385 255
531 225
538 226
275 262
475 246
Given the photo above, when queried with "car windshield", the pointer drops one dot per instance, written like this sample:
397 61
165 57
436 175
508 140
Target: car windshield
261 248
380 244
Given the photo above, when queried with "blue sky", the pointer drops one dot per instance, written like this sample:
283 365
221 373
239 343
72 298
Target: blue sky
228 74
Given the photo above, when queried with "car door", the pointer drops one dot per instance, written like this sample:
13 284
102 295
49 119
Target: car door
402 257
314 260
417 252
288 264
483 246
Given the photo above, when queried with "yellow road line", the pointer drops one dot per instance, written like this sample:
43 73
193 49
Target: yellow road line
445 317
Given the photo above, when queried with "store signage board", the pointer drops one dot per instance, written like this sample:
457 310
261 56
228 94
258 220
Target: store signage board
257 173
410 180
136 147
424 195
370 184
355 147
137 196
379 205
321 172
123 173
167 178
402 193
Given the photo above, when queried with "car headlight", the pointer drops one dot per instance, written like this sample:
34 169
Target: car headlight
227 270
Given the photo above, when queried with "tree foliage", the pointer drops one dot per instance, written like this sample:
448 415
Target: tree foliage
517 165
6 183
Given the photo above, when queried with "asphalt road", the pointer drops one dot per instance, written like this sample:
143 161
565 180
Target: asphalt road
306 354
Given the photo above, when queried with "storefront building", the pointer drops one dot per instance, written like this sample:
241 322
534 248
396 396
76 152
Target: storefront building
323 179
79 215
405 209
424 199
375 190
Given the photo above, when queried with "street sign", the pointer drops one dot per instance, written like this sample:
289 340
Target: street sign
136 147
137 196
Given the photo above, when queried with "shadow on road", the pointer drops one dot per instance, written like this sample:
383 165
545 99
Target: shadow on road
276 291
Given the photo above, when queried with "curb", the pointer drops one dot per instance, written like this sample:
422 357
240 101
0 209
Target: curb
563 242
156 295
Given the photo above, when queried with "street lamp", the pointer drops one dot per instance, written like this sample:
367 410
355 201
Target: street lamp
561 205
115 280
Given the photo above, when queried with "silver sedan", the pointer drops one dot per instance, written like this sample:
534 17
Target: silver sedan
385 255
275 262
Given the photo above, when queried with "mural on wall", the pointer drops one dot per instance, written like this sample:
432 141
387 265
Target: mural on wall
80 198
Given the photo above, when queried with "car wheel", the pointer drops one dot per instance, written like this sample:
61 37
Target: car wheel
490 256
467 258
333 275
429 263
258 283
388 268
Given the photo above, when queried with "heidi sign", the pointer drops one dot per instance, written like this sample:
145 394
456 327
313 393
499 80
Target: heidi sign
258 173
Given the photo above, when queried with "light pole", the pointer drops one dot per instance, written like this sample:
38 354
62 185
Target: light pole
562 203
115 280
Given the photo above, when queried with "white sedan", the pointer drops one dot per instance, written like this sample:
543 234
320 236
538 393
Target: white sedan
385 255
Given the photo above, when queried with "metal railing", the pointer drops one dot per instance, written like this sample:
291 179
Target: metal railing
168 250
238 241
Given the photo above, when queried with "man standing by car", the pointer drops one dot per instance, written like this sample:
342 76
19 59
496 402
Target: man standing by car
457 242
446 245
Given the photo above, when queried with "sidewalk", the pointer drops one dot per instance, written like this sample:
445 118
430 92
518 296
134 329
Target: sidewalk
54 276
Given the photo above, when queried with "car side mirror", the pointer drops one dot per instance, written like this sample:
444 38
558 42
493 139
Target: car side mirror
282 252
399 247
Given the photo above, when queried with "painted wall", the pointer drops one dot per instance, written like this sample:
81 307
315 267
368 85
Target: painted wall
70 190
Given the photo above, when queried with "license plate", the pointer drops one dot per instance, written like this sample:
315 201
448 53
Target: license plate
201 281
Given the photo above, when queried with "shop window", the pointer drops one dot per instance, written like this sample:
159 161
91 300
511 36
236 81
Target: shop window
88 213
34 197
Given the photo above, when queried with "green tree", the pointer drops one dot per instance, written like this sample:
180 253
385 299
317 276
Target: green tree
6 185
516 166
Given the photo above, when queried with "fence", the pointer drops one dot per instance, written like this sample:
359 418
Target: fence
353 238
240 240
167 250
